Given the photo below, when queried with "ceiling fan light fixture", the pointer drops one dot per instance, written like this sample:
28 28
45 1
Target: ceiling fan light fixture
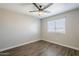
41 9
40 13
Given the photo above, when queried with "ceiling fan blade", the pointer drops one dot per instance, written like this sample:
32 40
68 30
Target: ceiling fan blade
47 11
34 11
36 6
47 6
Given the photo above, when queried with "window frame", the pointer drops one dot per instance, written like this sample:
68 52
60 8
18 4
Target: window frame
55 25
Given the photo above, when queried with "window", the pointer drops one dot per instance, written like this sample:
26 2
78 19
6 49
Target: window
56 25
51 26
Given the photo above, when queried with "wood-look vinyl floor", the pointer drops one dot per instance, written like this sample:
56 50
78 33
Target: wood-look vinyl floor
40 48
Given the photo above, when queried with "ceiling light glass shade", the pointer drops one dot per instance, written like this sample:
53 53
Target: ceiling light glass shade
40 13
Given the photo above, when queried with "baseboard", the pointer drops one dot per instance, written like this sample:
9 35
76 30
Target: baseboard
62 45
35 41
18 45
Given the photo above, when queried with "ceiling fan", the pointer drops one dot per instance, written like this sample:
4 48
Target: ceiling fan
41 9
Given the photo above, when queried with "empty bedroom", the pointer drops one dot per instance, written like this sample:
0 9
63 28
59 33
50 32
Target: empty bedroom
39 29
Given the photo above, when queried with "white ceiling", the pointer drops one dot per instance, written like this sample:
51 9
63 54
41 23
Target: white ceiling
24 8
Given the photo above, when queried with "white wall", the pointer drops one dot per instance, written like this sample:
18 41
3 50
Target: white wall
71 37
17 29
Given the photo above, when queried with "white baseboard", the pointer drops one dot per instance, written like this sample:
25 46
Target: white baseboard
18 45
62 44
35 41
